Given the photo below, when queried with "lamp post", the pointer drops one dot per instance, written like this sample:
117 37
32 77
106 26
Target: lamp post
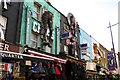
112 41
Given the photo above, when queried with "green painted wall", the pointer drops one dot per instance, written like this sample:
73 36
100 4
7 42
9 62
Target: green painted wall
56 23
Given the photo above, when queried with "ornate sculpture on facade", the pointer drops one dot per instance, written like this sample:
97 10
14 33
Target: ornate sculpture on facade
71 21
47 20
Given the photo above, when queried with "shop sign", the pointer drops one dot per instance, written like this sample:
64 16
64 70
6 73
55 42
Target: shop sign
9 47
4 47
84 48
8 55
28 62
5 2
2 34
65 35
36 27
111 61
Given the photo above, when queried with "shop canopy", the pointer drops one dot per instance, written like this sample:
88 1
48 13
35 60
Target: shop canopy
20 56
35 56
38 54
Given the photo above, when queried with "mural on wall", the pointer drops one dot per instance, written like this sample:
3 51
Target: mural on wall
95 51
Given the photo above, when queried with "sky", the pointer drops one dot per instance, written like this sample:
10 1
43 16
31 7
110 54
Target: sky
93 17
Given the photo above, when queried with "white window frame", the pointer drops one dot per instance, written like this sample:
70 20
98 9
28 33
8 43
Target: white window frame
36 41
37 15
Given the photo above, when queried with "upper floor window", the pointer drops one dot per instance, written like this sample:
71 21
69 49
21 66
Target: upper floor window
3 22
37 11
35 40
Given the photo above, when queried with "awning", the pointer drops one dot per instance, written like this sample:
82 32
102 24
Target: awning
32 55
20 56
38 54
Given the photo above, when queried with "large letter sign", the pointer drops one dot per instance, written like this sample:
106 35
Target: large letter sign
36 27
5 2
1 34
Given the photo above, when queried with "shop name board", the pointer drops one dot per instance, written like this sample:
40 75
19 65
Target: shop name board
8 55
5 2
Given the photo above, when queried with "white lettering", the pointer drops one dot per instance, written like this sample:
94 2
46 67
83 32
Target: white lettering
36 27
1 46
11 55
6 48
1 34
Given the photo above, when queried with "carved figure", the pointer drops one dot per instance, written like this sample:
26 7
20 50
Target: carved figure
47 24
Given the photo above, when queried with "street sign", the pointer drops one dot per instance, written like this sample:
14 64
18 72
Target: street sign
84 48
65 35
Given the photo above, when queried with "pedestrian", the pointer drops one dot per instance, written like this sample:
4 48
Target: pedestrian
11 77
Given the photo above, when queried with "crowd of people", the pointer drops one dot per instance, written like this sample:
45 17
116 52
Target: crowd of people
111 76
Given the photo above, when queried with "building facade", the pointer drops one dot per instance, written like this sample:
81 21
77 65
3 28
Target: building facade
86 44
9 36
39 28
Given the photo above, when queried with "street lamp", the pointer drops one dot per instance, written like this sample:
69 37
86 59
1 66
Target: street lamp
112 40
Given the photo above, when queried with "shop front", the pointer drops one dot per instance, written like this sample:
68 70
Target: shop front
16 63
7 59
34 65
53 68
74 69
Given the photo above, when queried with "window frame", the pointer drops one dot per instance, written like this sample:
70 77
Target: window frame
35 39
37 14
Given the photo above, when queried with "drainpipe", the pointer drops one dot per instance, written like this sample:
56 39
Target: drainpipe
27 25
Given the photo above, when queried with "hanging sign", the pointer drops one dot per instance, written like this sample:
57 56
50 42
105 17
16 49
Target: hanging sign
84 48
111 61
65 35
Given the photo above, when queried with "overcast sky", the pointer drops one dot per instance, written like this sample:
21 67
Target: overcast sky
93 17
